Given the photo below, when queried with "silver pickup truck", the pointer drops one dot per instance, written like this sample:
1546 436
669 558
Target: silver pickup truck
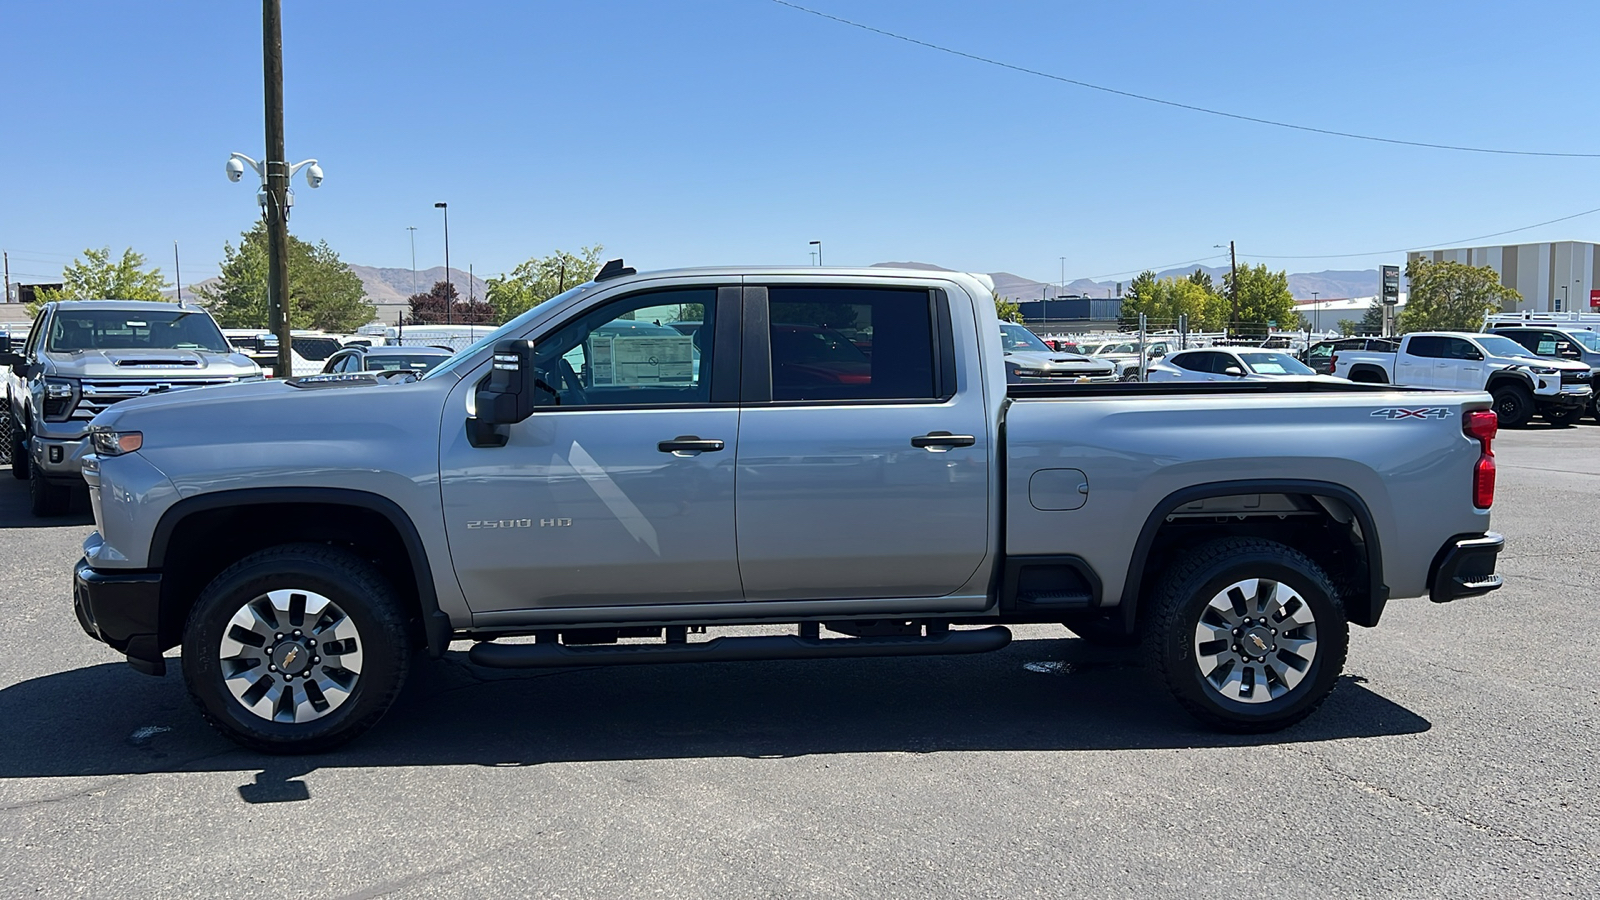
80 357
837 450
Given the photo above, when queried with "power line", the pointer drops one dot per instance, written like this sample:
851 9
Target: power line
1175 104
1481 237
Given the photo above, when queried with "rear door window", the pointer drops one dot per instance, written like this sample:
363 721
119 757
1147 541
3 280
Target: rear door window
1427 347
851 344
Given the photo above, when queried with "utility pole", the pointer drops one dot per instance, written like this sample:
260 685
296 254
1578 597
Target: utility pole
7 257
1316 312
177 273
472 287
1233 286
1063 289
276 169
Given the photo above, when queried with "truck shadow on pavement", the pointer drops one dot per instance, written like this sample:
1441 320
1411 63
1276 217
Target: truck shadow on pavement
107 719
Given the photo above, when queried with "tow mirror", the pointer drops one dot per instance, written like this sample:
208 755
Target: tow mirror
1235 371
506 396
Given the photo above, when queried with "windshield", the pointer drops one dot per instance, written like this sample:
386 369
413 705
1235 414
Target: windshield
1015 338
109 329
315 349
1496 345
1587 338
504 331
1275 364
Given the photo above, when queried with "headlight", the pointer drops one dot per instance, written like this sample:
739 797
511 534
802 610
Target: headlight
256 377
60 394
1029 373
1543 370
115 443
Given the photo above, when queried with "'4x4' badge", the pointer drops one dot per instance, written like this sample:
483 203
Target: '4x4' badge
1396 412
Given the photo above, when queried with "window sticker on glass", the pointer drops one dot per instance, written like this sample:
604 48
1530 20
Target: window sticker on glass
643 360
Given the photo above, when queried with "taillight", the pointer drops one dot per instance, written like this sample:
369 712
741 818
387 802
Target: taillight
1482 425
1333 362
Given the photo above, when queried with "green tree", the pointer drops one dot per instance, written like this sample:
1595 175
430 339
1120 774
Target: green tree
99 277
1348 327
1451 296
1163 300
1262 298
540 278
1371 320
1007 310
323 292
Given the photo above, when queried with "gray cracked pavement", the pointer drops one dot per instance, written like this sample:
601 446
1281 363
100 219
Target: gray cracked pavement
1455 759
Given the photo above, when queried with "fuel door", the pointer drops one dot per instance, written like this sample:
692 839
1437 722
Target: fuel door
1058 489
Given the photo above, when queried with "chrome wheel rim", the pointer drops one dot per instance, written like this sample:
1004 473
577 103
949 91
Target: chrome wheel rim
290 656
1255 641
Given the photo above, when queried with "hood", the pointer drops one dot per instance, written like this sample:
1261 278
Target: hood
150 363
206 407
1054 360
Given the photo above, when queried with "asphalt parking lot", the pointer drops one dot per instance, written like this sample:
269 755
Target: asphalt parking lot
1456 758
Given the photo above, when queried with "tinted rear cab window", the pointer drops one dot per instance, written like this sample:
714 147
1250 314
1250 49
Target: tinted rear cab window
851 344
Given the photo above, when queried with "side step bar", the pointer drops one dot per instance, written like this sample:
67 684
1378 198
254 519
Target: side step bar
737 649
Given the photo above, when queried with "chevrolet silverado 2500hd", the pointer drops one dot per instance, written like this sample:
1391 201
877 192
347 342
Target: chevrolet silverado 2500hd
833 449
80 357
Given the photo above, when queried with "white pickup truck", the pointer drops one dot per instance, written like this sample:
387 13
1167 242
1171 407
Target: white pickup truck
1522 383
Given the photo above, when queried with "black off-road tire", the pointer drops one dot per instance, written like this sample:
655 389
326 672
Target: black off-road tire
1182 597
1565 418
1513 404
16 442
46 498
358 590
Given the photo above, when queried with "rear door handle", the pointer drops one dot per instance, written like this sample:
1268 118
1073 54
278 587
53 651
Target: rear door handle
942 440
688 443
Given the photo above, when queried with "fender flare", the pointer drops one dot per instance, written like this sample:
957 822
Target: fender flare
436 625
1362 611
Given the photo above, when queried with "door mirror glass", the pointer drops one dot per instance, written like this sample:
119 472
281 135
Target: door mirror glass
1235 371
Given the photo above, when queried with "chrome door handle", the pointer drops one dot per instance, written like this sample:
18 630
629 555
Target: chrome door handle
688 443
942 440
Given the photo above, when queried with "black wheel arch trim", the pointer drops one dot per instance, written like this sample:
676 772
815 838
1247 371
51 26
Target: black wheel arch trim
1362 611
436 625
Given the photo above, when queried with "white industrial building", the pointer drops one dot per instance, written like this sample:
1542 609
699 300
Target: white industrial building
1556 276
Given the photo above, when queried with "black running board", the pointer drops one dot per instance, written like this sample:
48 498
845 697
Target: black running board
737 649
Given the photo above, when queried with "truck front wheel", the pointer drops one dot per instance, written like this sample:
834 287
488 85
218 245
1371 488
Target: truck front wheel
18 447
1249 634
45 497
1565 418
1513 404
296 649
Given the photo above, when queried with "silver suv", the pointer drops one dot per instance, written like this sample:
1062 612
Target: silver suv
82 356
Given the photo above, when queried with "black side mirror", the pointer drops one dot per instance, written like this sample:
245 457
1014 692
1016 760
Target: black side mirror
506 396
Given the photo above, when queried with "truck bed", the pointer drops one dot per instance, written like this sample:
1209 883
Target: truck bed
1141 389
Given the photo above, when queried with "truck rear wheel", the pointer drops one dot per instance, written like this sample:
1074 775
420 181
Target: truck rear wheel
1250 635
296 649
45 497
1513 404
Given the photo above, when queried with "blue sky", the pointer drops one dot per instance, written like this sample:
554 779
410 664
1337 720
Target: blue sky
735 131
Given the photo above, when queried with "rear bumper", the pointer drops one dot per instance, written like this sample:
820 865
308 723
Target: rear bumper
1465 568
122 610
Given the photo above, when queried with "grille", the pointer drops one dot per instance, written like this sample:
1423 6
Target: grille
1576 377
99 394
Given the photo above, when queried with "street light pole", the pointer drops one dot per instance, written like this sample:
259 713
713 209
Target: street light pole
1316 313
449 311
818 245
1063 289
413 230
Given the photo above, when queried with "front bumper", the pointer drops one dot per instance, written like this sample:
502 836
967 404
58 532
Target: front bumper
1464 567
59 458
123 610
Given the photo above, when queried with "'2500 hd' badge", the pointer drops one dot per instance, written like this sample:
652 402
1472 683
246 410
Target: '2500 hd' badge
1393 413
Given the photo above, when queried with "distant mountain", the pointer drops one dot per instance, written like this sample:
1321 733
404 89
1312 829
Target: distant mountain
393 286
1329 285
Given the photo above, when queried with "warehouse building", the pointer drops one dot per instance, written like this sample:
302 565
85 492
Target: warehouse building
1556 276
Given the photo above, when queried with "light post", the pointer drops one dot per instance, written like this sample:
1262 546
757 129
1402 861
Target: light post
1563 299
818 245
276 200
1316 313
413 230
449 306
1063 288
